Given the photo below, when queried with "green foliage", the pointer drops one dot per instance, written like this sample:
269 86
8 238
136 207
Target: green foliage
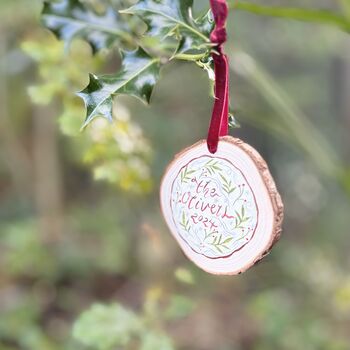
179 307
113 246
273 311
140 68
118 152
19 321
184 276
296 13
139 73
106 327
25 251
72 19
289 122
156 341
164 19
169 18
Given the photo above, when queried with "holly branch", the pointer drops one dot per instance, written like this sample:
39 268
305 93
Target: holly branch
171 33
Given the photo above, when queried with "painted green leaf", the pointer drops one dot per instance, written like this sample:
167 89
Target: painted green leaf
185 175
218 248
173 18
69 19
183 217
228 240
137 77
238 215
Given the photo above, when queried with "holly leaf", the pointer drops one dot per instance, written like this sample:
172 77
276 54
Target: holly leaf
173 18
69 19
137 77
188 43
206 23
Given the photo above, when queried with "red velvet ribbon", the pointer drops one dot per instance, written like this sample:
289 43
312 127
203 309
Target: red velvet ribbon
219 120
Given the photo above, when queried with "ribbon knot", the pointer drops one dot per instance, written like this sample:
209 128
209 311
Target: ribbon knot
219 120
220 13
219 36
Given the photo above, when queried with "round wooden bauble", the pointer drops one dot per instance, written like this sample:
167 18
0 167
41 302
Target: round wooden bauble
223 209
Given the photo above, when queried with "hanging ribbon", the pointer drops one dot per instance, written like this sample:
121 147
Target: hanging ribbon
219 120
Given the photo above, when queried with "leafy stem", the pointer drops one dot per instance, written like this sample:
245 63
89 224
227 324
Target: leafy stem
220 243
172 19
185 223
190 57
185 175
212 166
240 218
227 185
172 33
209 234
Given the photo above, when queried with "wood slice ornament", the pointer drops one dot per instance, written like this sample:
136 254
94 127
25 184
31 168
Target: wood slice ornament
218 197
223 209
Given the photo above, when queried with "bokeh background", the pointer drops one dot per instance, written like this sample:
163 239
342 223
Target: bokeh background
86 261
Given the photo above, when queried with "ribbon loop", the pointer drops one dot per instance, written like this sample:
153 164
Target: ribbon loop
220 13
219 120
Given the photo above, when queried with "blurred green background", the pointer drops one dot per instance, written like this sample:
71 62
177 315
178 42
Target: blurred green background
86 261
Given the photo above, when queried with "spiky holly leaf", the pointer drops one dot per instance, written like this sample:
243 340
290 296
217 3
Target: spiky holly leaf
205 25
166 18
69 19
137 77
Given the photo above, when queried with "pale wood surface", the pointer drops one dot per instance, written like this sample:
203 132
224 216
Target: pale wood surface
265 213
